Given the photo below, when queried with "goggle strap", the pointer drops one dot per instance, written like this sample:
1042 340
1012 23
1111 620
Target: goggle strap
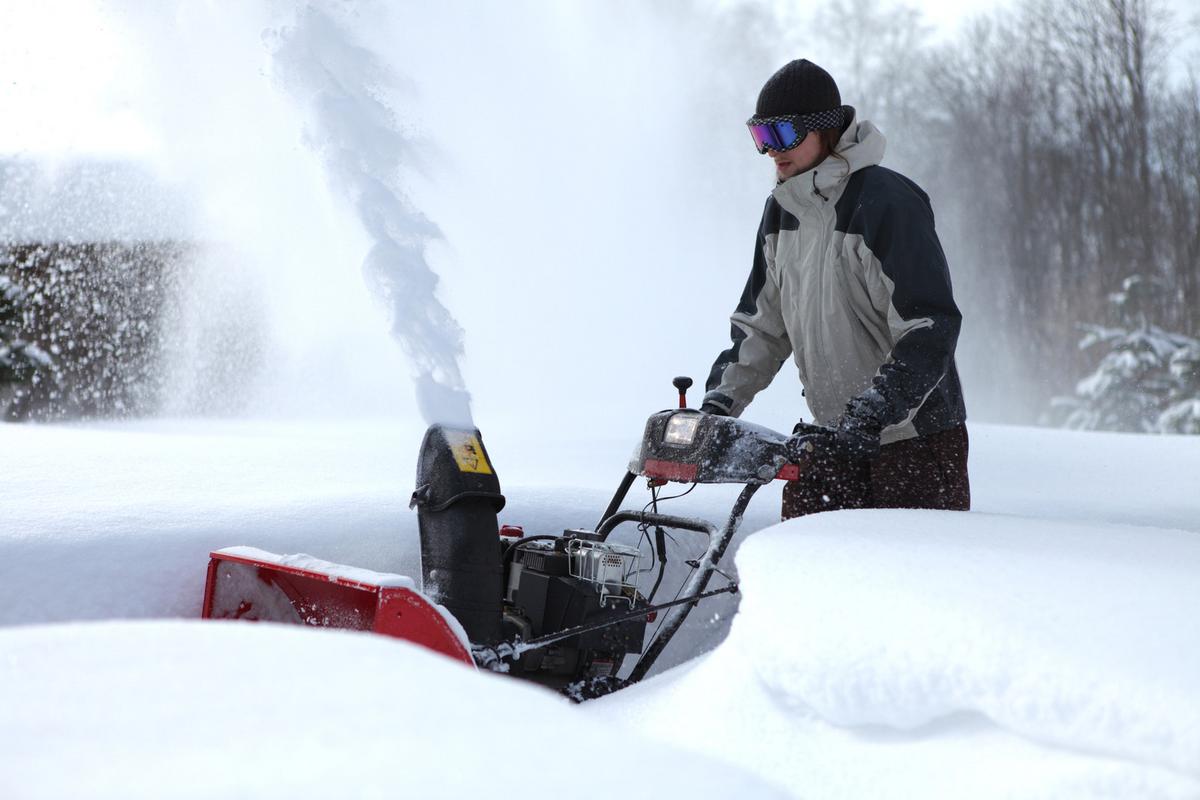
816 121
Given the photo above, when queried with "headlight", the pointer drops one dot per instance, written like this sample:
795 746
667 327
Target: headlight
681 429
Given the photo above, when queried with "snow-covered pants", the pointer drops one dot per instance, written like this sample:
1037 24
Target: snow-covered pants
924 472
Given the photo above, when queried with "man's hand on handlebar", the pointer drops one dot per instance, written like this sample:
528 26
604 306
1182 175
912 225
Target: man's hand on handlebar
844 444
854 438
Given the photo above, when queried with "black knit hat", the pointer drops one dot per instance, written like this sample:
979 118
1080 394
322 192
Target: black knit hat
799 87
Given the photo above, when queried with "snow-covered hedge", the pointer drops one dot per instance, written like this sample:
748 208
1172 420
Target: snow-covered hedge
23 365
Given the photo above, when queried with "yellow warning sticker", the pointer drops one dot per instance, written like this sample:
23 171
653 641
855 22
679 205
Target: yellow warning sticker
468 453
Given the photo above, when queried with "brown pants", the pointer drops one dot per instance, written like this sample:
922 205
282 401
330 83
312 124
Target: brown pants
925 472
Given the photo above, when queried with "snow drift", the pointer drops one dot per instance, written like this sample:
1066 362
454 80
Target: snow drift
176 709
1073 635
875 654
922 628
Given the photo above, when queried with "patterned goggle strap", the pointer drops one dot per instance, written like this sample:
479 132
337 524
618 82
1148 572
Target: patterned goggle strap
784 133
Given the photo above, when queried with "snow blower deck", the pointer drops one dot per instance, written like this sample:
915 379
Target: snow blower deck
561 610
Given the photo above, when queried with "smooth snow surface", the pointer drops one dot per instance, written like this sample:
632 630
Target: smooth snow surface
1043 645
104 523
219 710
1073 635
905 632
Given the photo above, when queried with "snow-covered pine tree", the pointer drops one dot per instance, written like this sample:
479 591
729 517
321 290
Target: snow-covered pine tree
1183 413
1147 380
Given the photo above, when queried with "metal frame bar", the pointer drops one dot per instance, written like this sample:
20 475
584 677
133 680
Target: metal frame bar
717 544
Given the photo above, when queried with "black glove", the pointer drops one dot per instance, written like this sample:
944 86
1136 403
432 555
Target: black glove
713 408
854 438
859 428
844 444
854 442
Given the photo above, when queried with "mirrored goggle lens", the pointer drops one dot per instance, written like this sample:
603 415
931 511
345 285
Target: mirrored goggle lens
775 135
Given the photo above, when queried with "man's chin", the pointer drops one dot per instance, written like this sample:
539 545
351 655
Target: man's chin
792 170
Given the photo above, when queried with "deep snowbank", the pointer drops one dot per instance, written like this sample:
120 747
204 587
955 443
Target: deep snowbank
1075 635
102 524
190 709
981 655
118 522
930 631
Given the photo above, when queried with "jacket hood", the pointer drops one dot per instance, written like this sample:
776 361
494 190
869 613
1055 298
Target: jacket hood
862 145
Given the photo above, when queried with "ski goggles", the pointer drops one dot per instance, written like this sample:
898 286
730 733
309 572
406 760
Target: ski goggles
785 132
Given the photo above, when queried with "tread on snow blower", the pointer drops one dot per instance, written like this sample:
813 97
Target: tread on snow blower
562 610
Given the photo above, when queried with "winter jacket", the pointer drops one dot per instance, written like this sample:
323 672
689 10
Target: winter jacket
850 279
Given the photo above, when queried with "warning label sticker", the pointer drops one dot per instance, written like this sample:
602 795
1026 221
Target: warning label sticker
468 453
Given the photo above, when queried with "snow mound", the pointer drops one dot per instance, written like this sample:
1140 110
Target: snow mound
210 709
118 523
1081 636
953 655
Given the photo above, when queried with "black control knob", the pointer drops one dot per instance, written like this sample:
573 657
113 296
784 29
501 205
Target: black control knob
682 383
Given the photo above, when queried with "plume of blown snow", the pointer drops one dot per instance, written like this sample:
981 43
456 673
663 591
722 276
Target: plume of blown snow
344 88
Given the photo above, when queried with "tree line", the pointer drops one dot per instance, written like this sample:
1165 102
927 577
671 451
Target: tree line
1060 143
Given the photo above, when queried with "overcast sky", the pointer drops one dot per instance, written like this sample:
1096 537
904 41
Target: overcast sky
67 75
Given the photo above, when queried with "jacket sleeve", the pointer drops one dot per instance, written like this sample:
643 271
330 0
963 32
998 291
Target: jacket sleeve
913 287
760 341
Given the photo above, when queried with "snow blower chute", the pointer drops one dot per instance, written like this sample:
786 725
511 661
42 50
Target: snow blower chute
568 610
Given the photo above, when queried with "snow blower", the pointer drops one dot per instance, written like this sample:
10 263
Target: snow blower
562 610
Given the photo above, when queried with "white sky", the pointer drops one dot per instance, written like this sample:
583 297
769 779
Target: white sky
67 79
61 70
66 76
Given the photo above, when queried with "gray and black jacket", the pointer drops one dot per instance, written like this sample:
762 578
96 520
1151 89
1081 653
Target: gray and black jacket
849 277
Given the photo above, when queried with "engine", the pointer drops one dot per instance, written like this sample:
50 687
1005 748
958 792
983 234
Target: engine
554 583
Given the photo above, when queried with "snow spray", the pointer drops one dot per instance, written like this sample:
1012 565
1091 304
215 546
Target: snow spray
287 224
343 87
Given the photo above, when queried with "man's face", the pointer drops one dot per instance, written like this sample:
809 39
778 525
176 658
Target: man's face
800 158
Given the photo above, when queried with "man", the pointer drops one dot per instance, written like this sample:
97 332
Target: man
849 278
